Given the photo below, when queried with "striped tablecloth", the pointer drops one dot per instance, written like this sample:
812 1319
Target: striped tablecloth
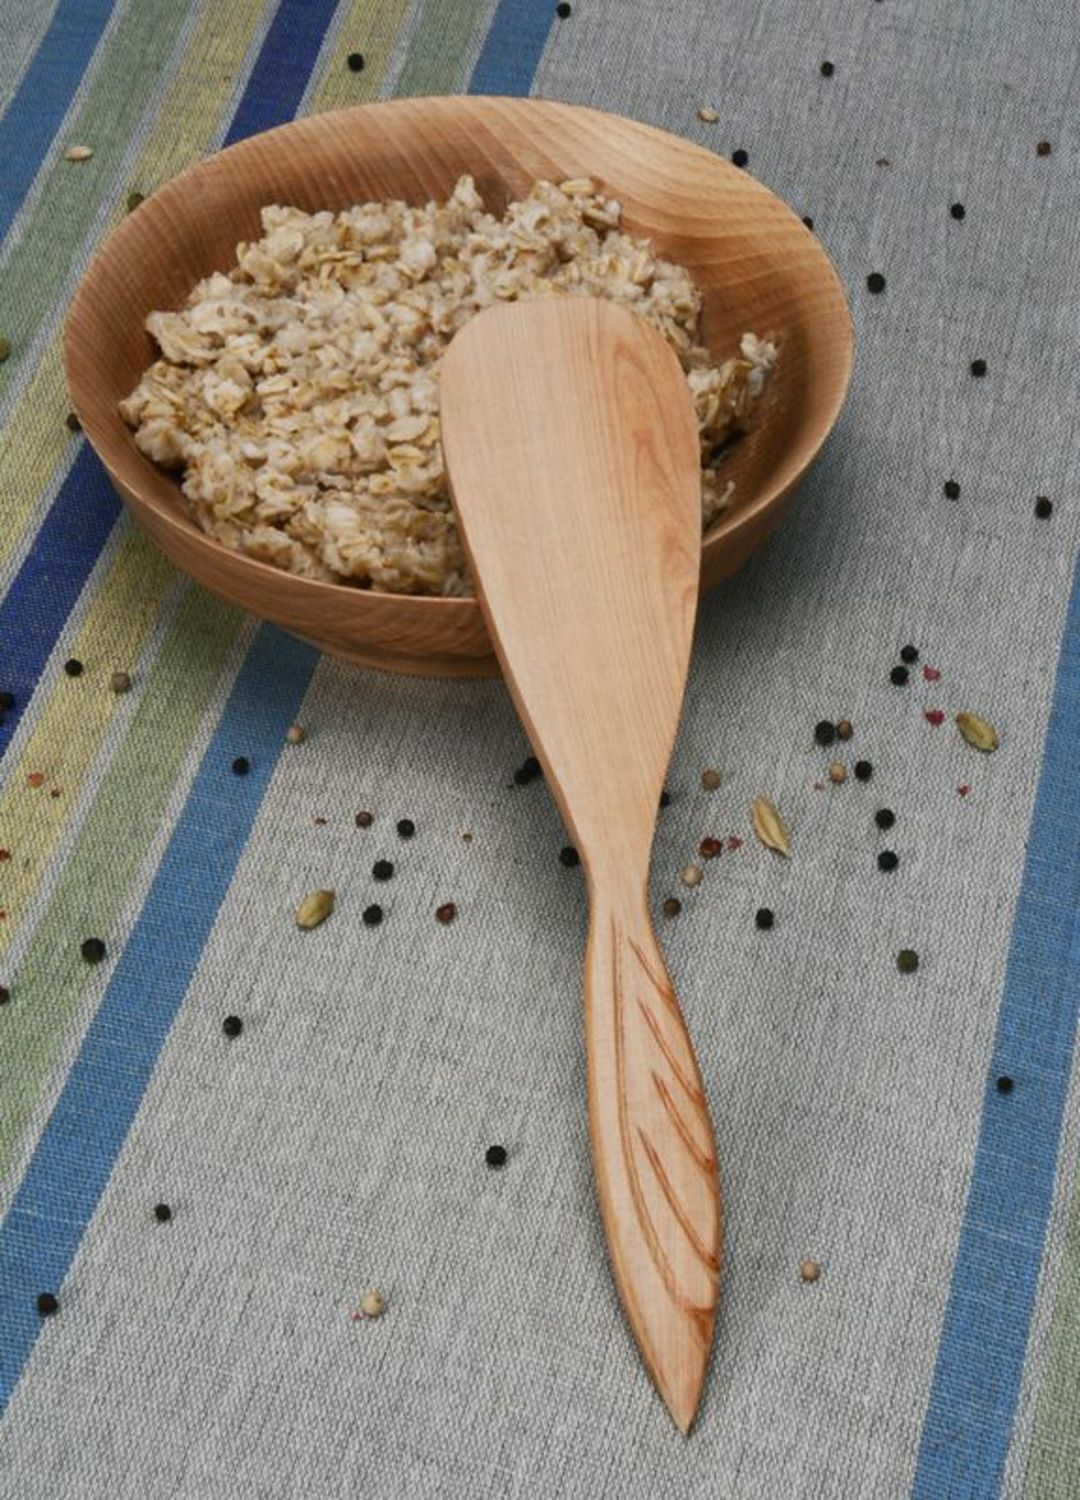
913 1134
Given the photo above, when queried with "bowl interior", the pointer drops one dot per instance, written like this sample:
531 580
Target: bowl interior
757 265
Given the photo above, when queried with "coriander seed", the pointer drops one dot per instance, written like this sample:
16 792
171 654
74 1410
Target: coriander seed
296 734
809 1271
837 772
690 875
373 1305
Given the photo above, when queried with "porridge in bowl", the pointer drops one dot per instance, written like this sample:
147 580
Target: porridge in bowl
298 393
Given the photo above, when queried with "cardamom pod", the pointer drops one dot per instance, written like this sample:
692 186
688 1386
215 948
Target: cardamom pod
770 826
977 731
314 908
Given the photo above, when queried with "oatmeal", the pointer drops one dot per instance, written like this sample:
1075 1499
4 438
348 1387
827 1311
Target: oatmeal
299 393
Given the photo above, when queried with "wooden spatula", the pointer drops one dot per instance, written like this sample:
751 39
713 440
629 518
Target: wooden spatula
572 451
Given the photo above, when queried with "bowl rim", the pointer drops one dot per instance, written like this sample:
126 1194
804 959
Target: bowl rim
728 524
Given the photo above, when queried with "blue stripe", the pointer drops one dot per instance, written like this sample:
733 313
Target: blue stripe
512 49
86 1131
968 1423
55 571
77 1152
42 99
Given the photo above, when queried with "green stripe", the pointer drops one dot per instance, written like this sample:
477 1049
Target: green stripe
111 847
435 63
1053 1466
127 77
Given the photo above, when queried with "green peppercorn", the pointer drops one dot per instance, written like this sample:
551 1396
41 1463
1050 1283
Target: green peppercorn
907 960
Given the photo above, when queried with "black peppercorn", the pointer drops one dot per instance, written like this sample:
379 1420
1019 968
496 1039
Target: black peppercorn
863 770
898 676
1043 148
1044 507
875 282
563 10
824 732
957 210
827 70
355 62
372 916
764 918
808 221
529 770
884 817
887 860
569 856
7 700
72 423
162 1213
978 368
232 1026
5 994
382 869
907 960
665 797
46 1303
241 765
909 654
73 667
495 1156
1004 1085
406 828
952 490
739 157
93 950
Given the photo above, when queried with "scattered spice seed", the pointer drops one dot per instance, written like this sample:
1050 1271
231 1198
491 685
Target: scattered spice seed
569 856
844 729
963 790
739 157
382 869
932 674
1043 148
406 828
898 676
888 860
5 349
355 62
466 837
232 1026
529 770
314 909
495 1156
952 489
824 732
934 716
978 368
808 221
7 700
72 423
563 10
764 918
1004 1084
73 667
319 822
364 820
710 779
1044 507
837 772
120 682
875 282
5 855
909 654
78 153
809 1271
5 994
769 826
36 778
93 950
55 792
162 1213
977 732
372 916
734 842
883 161
47 1303
672 907
373 1305
884 817
827 70
957 210
133 201
241 765
708 114
665 797
709 848
445 913
690 875
864 769
907 960
296 734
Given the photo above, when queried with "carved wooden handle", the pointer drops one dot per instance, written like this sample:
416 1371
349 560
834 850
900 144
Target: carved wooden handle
654 1154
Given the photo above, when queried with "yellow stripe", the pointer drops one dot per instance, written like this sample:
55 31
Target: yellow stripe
370 28
76 717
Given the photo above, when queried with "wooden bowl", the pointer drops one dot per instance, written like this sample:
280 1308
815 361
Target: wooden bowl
757 265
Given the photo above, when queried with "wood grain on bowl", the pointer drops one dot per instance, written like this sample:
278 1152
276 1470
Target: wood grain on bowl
757 265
